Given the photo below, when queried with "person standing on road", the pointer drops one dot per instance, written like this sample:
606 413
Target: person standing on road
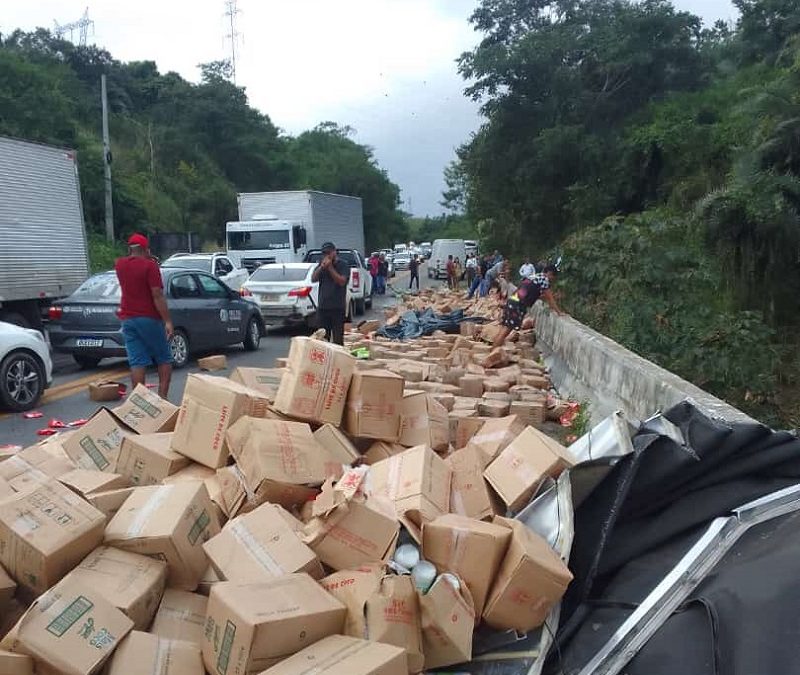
472 268
383 274
413 268
332 274
374 268
458 270
146 324
524 297
527 270
451 270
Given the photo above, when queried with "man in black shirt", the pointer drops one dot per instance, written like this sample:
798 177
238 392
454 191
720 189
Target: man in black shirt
332 275
413 268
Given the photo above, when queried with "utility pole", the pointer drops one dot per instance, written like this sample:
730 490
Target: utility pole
107 163
232 11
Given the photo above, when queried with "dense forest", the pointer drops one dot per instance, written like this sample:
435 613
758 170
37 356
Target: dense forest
181 151
661 158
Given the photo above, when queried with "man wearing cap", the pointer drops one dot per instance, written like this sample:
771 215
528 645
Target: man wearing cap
332 275
146 324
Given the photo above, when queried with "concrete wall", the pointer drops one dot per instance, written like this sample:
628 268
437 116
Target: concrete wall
588 366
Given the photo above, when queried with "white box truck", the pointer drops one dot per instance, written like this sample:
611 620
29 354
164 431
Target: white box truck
43 254
284 226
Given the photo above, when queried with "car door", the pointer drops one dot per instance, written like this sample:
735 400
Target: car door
225 319
228 274
185 301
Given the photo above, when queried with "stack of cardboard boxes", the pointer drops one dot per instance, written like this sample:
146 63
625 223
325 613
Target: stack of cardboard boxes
253 529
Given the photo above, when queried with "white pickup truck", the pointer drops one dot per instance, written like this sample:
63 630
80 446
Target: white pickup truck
360 286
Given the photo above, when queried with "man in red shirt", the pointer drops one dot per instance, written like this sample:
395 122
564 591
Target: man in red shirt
146 323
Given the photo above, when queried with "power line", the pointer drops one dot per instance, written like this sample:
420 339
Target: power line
232 11
82 25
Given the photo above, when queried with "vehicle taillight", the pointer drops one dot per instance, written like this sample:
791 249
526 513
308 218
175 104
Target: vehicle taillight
303 292
356 279
55 313
245 292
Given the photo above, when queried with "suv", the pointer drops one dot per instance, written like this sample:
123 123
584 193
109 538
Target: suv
360 286
218 264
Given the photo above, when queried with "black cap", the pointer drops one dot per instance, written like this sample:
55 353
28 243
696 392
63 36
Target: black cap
328 246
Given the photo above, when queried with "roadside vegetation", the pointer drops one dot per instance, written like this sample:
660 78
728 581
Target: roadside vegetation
662 160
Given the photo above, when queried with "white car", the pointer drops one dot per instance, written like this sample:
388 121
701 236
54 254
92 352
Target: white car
218 264
25 367
285 293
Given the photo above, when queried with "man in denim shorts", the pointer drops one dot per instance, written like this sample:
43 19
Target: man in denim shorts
146 323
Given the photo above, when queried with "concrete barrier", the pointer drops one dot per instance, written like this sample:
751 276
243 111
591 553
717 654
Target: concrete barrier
587 366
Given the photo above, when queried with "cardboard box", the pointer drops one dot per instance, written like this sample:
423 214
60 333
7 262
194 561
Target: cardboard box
251 627
341 451
496 385
265 380
210 405
466 403
146 412
353 588
495 436
236 497
470 494
106 390
315 388
70 630
95 445
7 588
417 481
532 413
469 548
454 417
497 358
15 664
531 580
425 422
147 459
260 546
522 466
448 620
212 363
171 522
131 582
45 532
146 654
281 462
393 617
348 529
181 616
208 581
492 408
86 483
342 655
466 429
382 450
109 501
374 403
471 386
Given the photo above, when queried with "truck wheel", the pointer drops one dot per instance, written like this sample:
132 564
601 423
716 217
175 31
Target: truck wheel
360 307
21 381
86 362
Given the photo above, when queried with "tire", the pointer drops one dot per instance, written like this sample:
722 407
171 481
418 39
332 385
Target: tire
361 307
21 381
179 347
86 362
253 337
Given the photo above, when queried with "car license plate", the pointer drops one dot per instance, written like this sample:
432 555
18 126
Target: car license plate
89 342
270 297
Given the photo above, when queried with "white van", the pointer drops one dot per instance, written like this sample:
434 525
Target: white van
442 248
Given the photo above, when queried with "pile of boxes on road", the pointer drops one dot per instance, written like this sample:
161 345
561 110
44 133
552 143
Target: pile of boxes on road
345 513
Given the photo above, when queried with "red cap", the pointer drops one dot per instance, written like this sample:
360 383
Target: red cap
138 240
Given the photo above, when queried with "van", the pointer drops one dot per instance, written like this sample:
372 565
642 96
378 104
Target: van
442 248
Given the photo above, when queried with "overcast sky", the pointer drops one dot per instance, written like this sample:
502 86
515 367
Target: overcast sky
384 67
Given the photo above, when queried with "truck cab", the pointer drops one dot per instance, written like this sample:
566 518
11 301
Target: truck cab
265 240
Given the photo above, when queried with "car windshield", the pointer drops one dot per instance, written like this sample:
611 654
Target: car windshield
348 256
279 274
99 287
256 240
202 264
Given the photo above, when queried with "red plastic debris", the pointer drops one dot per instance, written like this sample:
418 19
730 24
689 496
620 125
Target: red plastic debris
568 417
33 415
151 386
46 432
77 423
121 390
56 424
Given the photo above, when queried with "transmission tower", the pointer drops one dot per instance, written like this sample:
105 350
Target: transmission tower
82 25
231 12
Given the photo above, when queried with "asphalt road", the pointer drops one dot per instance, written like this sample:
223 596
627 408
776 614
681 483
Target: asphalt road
67 399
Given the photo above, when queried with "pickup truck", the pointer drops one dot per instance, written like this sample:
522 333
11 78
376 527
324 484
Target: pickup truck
360 286
218 264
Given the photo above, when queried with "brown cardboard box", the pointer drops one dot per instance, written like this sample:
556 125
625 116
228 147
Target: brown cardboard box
210 405
374 403
131 582
6 490
147 459
492 408
366 327
109 502
393 617
448 401
448 620
45 532
524 392
236 497
470 494
467 428
85 482
531 580
212 363
315 388
146 412
505 397
425 422
496 435
340 448
497 358
106 390
260 546
7 588
417 481
251 627
532 413
353 588
146 654
265 380
95 446
381 450
70 630
15 664
281 461
496 384
208 581
469 548
171 522
342 655
181 616
471 386
348 529
454 418
466 403
521 467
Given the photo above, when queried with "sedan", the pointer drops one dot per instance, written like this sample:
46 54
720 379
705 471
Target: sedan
25 367
402 261
206 315
285 293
